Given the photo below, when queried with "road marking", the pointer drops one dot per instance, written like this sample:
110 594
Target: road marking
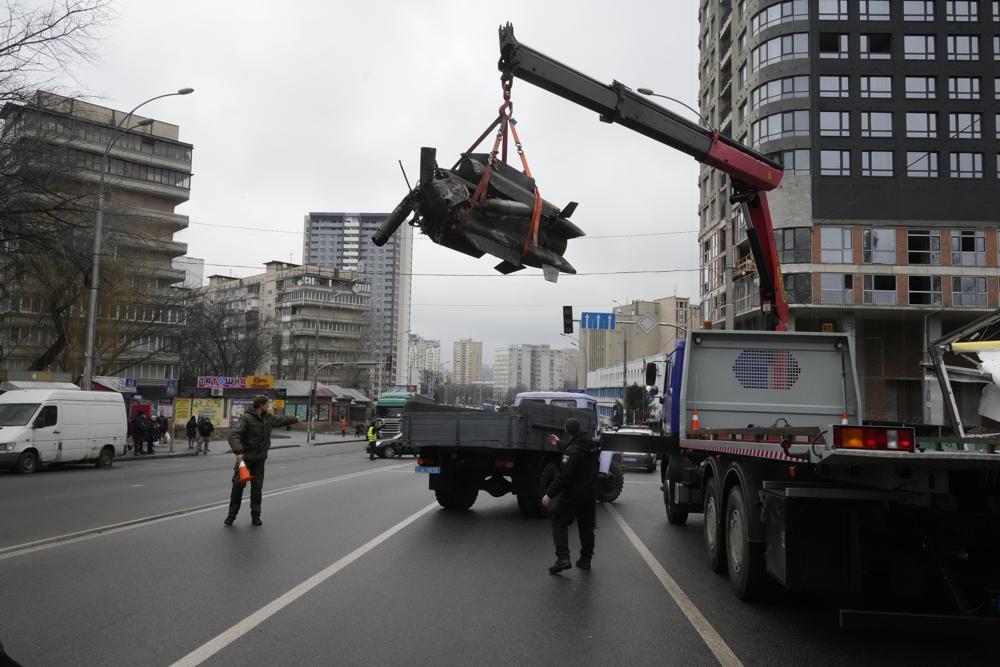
213 646
631 482
716 644
135 486
111 529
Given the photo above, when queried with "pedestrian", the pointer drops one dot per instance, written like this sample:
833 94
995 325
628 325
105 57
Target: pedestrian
571 495
343 427
250 441
372 439
152 434
205 429
192 432
164 426
138 432
359 429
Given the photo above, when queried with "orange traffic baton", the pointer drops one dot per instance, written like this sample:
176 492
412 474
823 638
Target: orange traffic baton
695 420
244 473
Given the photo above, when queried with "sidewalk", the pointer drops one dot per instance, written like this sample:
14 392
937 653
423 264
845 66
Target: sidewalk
282 440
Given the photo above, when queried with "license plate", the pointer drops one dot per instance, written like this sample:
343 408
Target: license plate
432 470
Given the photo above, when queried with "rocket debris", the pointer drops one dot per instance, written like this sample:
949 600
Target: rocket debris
500 225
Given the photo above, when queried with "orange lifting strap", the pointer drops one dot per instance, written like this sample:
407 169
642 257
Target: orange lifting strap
504 124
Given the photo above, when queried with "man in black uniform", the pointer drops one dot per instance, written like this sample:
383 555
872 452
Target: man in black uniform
574 492
250 441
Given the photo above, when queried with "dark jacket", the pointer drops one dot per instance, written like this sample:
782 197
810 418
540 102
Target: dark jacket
205 428
192 428
162 424
577 478
252 435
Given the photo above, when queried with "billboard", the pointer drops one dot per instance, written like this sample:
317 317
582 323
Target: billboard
211 408
236 382
237 407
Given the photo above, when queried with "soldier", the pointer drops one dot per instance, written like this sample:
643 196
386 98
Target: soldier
574 489
250 441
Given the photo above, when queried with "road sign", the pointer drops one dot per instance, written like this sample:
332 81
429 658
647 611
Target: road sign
172 387
647 323
604 321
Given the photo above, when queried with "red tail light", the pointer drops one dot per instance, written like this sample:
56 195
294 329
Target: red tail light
425 460
873 437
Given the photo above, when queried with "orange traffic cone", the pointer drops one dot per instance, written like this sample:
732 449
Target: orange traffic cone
843 418
695 420
245 475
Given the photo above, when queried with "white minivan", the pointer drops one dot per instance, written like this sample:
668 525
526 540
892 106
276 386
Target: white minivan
43 426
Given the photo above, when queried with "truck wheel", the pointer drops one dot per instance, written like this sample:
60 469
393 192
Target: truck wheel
714 547
27 463
610 486
457 497
675 517
106 458
747 571
388 452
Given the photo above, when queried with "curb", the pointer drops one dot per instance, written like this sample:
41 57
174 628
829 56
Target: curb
153 457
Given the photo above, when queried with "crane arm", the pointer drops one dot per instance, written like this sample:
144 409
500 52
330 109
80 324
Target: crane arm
752 174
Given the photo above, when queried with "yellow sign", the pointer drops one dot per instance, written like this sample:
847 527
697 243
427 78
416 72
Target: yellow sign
260 381
182 409
211 408
278 403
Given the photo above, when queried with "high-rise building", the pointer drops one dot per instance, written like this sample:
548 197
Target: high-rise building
518 368
343 240
193 268
52 150
424 358
569 368
317 316
468 360
884 117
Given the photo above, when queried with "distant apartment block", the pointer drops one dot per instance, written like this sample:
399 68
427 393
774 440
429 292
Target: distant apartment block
467 360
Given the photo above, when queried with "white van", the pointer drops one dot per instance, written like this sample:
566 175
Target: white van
42 426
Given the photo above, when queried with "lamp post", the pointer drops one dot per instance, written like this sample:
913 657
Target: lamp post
310 435
88 351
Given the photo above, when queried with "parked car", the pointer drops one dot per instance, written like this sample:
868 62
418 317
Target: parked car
636 460
43 426
390 447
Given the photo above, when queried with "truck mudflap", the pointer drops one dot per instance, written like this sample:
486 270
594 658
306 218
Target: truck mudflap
640 444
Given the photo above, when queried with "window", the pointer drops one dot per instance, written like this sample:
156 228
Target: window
921 87
963 87
743 75
921 124
795 163
968 291
996 88
779 89
876 86
878 245
961 11
836 244
781 12
798 287
794 245
920 10
963 47
835 163
876 46
833 45
836 288
925 290
996 125
876 124
918 47
968 248
996 11
834 124
876 163
965 125
921 164
47 417
833 10
880 290
923 246
996 47
834 86
874 10
776 126
785 47
743 112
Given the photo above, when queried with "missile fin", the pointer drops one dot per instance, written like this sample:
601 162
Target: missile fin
550 272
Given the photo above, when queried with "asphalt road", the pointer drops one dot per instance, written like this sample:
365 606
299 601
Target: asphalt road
356 565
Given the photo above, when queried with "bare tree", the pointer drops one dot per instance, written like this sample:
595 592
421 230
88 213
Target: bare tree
218 340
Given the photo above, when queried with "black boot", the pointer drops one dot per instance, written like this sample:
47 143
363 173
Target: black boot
255 520
583 563
560 565
230 519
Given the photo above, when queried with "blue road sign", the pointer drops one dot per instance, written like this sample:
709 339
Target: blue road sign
597 321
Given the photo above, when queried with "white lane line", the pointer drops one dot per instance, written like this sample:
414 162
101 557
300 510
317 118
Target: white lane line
111 529
213 646
640 482
716 644
136 486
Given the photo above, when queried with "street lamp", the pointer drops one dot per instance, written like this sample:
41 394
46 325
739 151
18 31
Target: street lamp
310 435
95 270
650 93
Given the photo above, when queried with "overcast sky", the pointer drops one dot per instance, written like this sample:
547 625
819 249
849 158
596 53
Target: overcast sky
306 105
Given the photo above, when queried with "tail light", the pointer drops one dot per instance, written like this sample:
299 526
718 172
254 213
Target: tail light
504 465
873 437
425 460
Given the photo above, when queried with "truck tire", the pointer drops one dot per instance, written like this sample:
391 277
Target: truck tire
458 497
610 486
747 568
675 516
27 463
531 506
714 534
106 458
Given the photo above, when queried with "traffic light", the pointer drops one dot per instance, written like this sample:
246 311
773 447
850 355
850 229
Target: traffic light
568 319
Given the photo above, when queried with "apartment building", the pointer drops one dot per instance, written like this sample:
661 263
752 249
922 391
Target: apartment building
468 361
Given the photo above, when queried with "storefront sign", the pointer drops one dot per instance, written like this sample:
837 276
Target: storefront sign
240 382
182 409
211 408
165 408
